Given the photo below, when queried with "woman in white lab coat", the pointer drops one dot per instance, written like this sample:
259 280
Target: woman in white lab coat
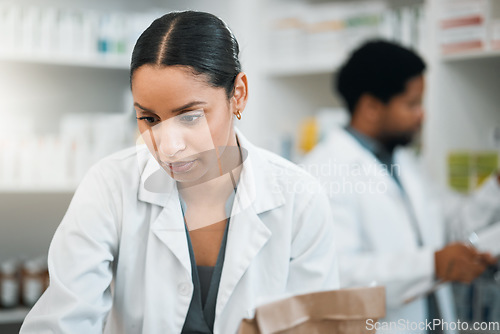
191 231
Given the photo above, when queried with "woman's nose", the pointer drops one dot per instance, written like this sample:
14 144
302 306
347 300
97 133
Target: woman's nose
169 140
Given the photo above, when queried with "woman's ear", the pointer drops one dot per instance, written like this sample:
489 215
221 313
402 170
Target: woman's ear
240 96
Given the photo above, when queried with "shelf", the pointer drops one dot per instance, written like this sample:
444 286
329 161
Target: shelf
100 62
290 69
15 315
470 55
53 189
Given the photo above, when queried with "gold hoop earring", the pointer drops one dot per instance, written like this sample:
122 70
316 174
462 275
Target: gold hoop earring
238 115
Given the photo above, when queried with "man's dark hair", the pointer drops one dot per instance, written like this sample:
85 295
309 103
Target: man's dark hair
379 68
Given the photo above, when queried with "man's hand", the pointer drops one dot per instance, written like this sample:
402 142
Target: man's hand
461 263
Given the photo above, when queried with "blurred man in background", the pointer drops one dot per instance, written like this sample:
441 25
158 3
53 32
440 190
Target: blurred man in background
389 230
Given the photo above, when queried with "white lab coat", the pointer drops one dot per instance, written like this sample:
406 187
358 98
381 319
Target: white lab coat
375 238
120 256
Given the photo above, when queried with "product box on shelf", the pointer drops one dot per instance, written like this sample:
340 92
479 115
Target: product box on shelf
31 161
320 36
39 33
463 25
495 34
495 24
286 33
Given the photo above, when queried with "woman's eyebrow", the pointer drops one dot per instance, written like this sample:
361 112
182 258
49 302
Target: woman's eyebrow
143 108
188 105
176 110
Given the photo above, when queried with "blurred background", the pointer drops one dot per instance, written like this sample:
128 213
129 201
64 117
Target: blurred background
65 100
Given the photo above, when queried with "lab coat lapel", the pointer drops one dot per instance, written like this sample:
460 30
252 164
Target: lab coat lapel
156 185
158 188
246 237
414 187
257 192
170 229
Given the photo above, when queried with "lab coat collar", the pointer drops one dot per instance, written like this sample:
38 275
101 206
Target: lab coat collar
340 140
156 186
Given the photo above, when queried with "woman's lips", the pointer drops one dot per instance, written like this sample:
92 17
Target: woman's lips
180 167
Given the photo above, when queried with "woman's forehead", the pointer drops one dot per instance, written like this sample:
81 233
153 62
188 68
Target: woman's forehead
171 87
167 75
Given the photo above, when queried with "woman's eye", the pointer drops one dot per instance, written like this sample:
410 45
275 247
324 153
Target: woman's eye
149 120
190 118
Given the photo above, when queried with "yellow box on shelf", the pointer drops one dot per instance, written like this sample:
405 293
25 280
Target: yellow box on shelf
309 134
467 170
486 164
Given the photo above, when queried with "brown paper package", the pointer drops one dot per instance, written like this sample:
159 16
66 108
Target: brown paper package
328 312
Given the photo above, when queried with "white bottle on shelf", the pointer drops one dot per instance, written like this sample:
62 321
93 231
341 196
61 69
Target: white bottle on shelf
406 26
3 17
8 170
77 129
117 36
33 281
48 31
30 31
27 161
89 31
105 35
77 34
9 285
12 29
65 33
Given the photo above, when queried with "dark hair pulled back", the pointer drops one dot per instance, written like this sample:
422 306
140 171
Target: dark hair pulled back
199 40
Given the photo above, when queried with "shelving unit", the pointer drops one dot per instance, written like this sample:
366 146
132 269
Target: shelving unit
44 88
475 55
462 99
90 62
16 315
290 70
25 189
298 85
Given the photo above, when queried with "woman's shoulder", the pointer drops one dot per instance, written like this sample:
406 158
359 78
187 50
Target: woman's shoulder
135 156
125 165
